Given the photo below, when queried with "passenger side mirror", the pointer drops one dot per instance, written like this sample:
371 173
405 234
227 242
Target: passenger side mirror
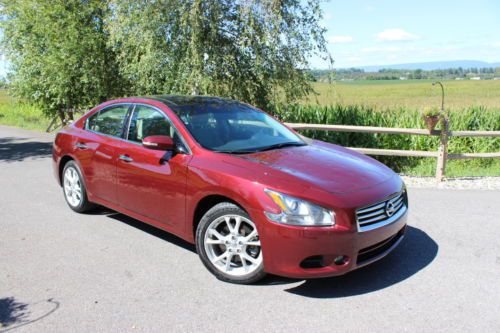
158 142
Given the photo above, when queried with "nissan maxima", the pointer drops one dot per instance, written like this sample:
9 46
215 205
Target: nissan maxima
253 195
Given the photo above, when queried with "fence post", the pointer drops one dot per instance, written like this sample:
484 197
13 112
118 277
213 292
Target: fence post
442 151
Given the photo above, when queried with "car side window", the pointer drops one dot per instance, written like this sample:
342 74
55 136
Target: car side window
147 121
108 121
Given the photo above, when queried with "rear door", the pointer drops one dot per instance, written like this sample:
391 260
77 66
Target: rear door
152 183
97 150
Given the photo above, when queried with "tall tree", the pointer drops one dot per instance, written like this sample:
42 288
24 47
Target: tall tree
70 54
252 50
59 54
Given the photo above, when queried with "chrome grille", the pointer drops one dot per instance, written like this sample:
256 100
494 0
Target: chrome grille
381 213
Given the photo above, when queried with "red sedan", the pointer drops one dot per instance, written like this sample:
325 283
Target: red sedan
254 196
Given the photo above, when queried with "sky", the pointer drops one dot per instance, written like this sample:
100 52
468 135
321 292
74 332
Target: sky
3 66
384 32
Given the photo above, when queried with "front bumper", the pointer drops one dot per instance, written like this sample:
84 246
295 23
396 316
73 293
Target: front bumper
286 247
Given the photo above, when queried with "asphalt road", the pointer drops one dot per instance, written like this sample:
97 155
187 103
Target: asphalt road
104 272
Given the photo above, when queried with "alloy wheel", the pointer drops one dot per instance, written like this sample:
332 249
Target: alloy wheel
72 187
232 245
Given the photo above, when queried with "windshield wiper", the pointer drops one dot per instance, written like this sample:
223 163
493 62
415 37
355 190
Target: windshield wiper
271 147
281 145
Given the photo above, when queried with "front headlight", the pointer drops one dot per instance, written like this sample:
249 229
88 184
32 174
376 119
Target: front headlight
299 212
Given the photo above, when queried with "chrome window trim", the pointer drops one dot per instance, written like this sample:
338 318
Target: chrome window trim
129 119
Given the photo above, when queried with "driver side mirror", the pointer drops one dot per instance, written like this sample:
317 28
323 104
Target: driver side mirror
158 142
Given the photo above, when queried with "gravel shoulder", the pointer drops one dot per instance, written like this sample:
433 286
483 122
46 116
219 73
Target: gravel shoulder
459 183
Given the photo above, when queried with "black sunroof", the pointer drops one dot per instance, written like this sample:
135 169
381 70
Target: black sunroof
183 103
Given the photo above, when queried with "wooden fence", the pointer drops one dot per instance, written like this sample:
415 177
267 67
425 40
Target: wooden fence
441 154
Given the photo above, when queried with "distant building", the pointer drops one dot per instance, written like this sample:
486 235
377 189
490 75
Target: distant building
476 78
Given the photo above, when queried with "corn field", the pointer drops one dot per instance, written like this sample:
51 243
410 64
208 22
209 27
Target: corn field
472 118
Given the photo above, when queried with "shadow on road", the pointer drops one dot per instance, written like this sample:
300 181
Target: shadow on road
18 149
14 314
415 252
166 236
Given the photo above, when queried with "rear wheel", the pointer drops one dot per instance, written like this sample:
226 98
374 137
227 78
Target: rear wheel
74 188
228 244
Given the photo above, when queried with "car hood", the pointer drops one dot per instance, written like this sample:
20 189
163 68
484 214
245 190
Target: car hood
332 168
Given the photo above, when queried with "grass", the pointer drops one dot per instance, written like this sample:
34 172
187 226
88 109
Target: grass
414 94
455 168
14 113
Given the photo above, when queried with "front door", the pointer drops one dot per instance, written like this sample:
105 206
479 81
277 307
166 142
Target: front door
152 183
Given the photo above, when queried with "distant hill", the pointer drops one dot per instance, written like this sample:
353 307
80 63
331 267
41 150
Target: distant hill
433 65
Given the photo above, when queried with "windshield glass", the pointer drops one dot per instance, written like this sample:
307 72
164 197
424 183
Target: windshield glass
233 127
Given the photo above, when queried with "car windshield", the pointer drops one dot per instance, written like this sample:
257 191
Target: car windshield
235 128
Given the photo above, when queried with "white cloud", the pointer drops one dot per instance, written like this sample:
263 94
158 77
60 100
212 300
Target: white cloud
496 44
340 39
371 49
395 35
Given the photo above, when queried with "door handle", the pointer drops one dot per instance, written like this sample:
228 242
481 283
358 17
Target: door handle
81 145
126 158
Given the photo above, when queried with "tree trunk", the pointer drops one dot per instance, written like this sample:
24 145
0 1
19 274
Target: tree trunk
60 112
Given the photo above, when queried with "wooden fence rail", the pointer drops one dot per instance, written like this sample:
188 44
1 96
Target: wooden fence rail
441 154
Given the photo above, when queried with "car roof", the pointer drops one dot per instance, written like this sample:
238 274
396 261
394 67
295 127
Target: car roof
176 102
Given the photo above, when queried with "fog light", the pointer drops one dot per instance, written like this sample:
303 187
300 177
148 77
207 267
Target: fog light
312 262
340 260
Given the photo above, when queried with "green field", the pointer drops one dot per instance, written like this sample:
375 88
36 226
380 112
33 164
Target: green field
414 94
13 113
472 105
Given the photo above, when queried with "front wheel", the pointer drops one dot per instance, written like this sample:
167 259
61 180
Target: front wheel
228 244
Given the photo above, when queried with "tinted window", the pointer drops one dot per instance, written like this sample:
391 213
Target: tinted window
108 121
234 127
147 121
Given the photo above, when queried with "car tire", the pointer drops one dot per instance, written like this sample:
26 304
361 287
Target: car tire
228 244
74 190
